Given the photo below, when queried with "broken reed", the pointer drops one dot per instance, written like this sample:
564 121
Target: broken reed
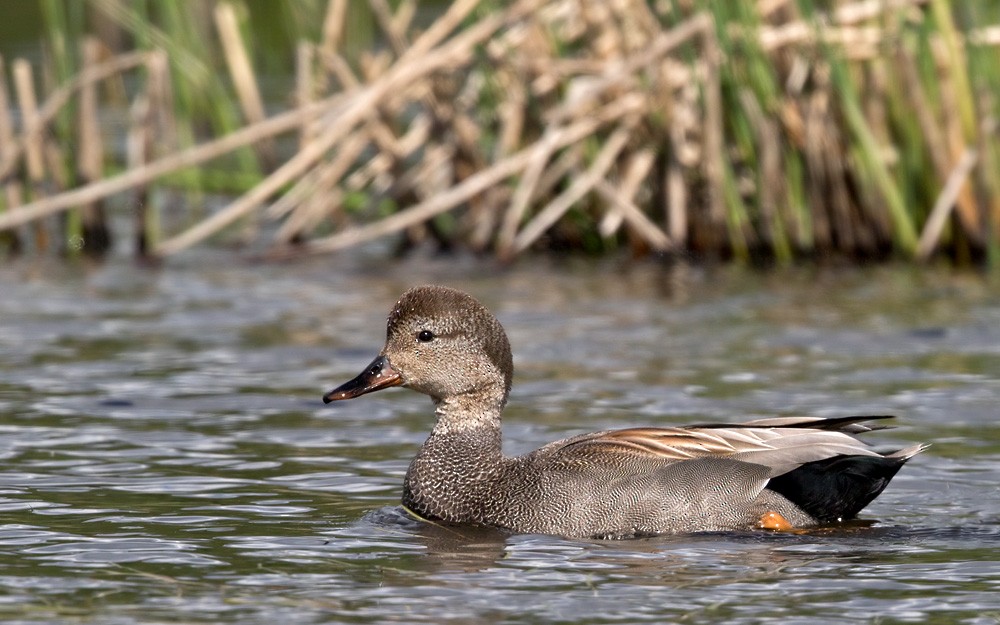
766 130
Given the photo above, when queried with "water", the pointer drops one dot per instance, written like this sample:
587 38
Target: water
165 456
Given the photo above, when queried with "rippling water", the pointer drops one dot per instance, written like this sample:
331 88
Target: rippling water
165 456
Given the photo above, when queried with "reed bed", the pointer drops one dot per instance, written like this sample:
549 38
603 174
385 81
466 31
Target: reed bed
757 131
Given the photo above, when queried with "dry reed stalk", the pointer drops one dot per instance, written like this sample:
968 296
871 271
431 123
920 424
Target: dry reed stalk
568 164
856 42
512 117
34 151
471 186
425 177
315 208
384 138
374 64
369 173
418 134
484 222
12 190
184 159
58 98
555 209
394 28
856 12
354 111
325 175
636 169
405 12
392 31
453 17
988 178
8 139
325 197
33 142
540 154
160 95
459 155
606 41
609 78
676 202
766 7
290 170
553 71
305 87
244 78
465 132
464 142
330 40
378 129
55 165
431 174
713 157
617 75
162 135
90 157
987 36
335 64
301 200
640 224
944 204
640 24
468 135
333 25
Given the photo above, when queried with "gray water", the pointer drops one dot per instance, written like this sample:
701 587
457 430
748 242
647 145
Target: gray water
165 456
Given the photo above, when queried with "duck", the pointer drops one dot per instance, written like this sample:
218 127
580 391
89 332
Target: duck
779 473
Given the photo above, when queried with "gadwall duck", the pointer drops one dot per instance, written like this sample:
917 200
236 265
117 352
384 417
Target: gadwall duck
779 473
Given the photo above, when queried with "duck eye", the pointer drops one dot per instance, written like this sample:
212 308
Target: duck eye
425 336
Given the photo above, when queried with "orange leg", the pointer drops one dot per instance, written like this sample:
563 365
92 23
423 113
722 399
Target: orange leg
773 521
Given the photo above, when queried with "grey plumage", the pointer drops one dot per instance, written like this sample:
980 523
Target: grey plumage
641 481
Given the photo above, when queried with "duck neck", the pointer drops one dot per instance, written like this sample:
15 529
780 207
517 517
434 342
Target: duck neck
470 415
467 429
452 475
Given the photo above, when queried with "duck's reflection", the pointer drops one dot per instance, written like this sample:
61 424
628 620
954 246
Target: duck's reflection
673 559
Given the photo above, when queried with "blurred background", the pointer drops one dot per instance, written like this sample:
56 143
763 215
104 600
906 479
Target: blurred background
764 132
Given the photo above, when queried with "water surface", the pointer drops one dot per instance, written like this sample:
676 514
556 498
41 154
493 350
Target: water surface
165 456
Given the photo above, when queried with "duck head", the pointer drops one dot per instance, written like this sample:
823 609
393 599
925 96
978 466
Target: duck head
440 342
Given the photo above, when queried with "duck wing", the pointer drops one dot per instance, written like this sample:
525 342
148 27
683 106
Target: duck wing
781 444
816 463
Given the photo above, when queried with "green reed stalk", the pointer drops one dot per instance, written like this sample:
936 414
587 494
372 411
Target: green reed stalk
984 79
749 80
870 161
889 194
946 27
798 204
64 33
208 96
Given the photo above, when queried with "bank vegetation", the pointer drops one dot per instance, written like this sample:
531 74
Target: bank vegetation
761 131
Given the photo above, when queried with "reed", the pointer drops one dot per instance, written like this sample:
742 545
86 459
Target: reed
769 131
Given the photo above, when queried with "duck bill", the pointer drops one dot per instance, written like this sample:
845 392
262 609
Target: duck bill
376 376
